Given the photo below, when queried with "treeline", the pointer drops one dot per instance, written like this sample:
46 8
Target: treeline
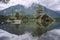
3 18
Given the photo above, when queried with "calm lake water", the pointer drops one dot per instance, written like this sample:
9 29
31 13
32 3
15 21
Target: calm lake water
28 27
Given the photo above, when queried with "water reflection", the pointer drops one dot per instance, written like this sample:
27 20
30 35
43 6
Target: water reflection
31 27
4 38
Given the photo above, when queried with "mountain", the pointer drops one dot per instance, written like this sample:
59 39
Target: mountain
58 12
20 8
52 13
28 11
12 9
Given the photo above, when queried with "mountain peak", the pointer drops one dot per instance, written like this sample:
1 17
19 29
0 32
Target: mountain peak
27 11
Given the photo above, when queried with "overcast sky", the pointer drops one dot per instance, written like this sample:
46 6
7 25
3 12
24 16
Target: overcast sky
52 4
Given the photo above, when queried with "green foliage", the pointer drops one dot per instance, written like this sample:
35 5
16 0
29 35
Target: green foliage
39 31
46 20
17 15
25 19
12 18
17 26
45 9
39 9
3 18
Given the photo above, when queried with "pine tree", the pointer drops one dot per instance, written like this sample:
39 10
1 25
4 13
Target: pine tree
17 15
39 9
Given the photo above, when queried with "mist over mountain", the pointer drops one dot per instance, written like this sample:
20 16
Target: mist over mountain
28 11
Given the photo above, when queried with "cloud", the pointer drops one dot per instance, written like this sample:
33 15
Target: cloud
51 35
52 4
11 3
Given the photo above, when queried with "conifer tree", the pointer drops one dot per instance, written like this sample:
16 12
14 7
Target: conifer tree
17 15
39 9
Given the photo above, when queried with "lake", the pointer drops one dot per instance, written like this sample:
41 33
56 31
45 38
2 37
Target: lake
27 27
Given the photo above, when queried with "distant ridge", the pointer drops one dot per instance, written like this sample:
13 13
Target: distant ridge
28 11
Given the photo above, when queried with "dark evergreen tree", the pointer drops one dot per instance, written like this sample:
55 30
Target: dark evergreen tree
39 9
17 15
